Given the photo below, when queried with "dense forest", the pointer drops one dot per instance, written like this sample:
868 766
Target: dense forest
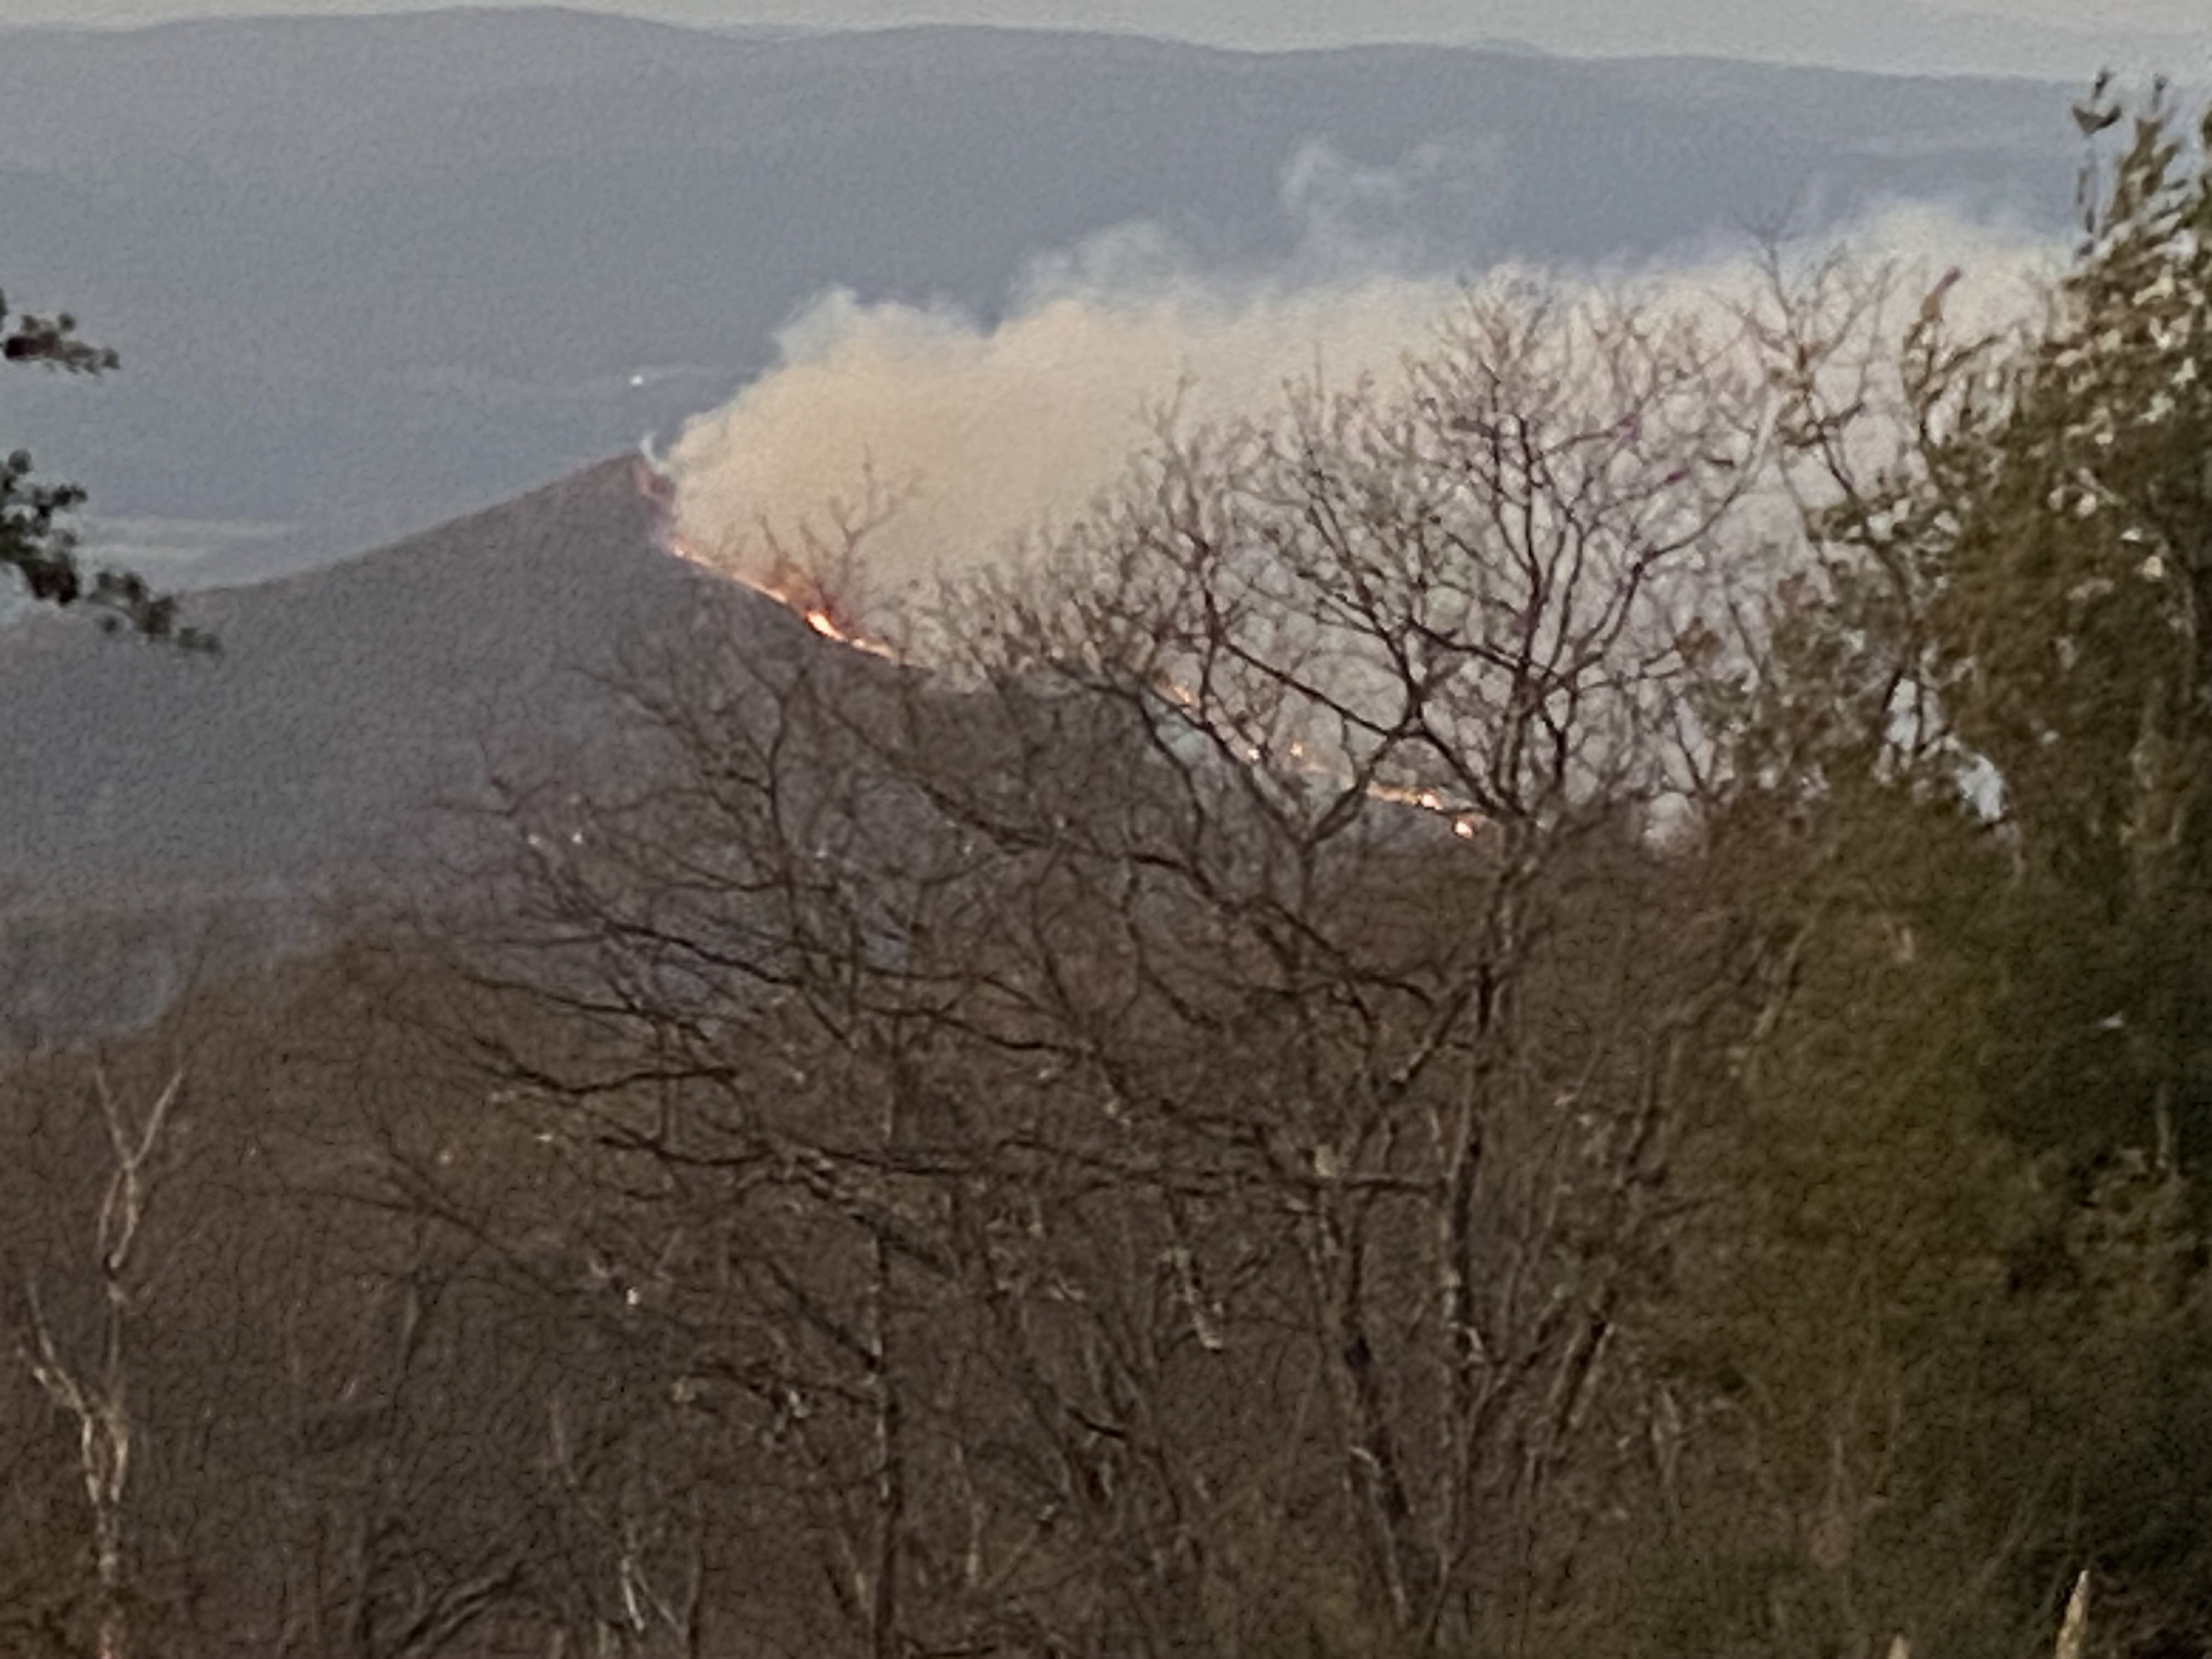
1436 1032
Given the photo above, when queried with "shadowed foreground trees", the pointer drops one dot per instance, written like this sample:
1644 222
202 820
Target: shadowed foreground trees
350 1431
1154 1130
1967 796
1331 1077
1415 1042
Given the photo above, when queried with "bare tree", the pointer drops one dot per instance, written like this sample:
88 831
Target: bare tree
1169 1102
91 1383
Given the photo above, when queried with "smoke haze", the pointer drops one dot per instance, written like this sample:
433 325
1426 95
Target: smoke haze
986 433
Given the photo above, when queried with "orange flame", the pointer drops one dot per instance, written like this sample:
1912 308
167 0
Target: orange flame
797 588
789 584
801 594
1466 825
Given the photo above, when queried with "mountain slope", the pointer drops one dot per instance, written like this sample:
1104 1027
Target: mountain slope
146 794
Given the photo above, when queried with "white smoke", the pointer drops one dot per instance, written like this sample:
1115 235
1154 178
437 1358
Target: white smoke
988 432
1354 219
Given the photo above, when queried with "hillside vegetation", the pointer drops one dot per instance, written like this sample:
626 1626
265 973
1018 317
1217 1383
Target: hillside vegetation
1427 1037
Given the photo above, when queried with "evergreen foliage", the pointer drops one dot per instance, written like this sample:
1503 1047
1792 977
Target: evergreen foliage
35 539
1071 1164
1946 1296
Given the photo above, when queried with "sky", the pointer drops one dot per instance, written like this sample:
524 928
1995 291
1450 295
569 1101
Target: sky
2066 38
1223 19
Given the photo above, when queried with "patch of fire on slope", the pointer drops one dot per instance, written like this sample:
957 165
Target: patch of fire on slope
802 592
787 580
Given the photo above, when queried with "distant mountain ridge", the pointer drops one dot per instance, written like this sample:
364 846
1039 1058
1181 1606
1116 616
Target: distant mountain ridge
367 272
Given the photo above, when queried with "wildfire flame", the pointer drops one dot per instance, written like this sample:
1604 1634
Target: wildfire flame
1466 824
789 584
801 592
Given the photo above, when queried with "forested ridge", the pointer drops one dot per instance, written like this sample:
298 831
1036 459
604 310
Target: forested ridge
1432 1032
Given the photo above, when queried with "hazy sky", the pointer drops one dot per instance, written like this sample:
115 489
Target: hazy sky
1249 19
2064 38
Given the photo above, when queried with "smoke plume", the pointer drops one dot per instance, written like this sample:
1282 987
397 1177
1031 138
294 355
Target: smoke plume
983 433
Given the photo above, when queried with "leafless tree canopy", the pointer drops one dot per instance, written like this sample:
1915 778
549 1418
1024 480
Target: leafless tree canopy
1143 1131
1551 1006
